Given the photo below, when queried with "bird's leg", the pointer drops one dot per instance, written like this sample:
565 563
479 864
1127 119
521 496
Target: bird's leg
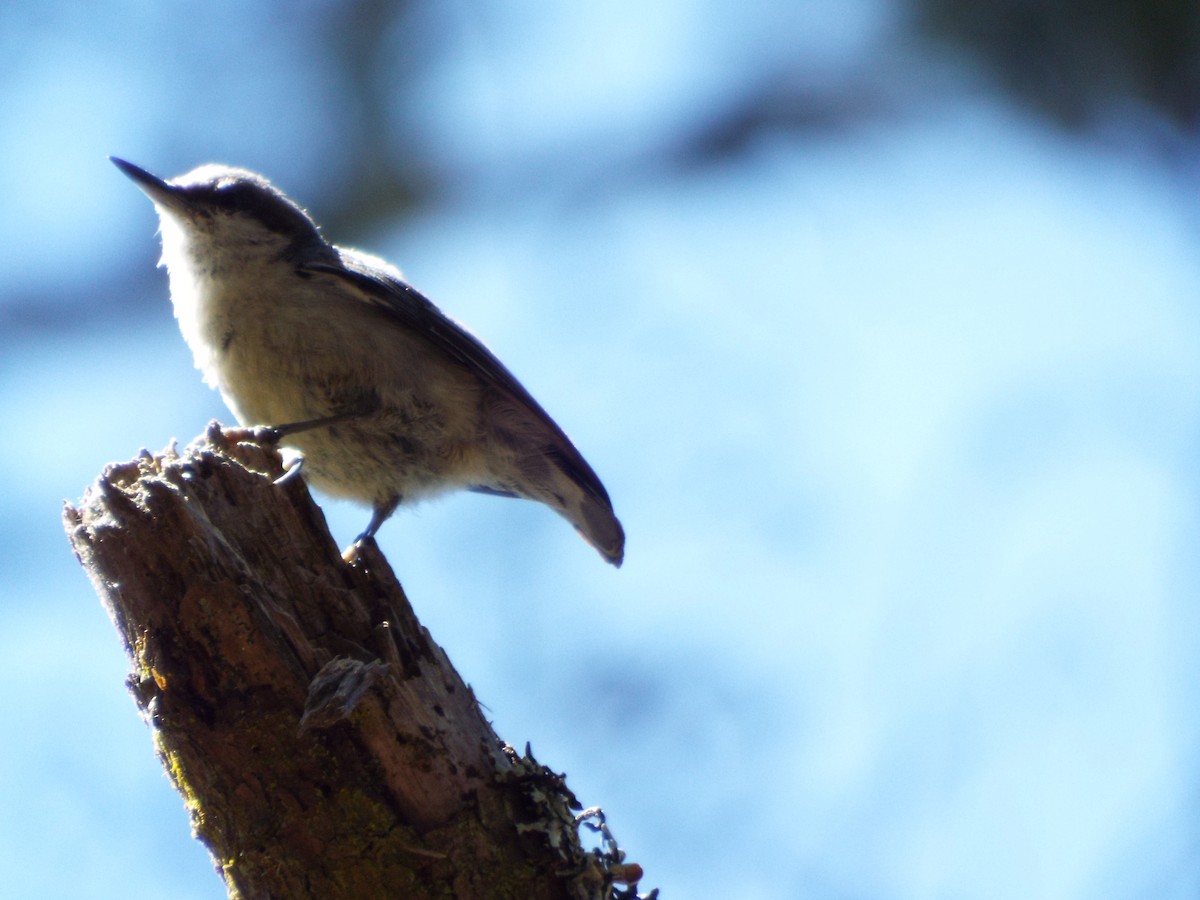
270 435
273 434
379 515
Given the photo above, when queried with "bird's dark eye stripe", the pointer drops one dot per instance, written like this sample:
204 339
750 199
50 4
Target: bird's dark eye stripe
263 204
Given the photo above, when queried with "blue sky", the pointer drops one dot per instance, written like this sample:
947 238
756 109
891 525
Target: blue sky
900 417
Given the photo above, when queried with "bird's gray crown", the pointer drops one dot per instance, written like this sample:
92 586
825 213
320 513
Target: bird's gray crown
221 189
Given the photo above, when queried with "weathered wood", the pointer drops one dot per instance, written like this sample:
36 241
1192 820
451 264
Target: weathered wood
322 742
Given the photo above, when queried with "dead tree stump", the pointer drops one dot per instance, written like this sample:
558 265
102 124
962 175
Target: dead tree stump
322 742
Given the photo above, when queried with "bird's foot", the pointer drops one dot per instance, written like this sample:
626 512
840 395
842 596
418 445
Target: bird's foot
352 553
265 435
291 469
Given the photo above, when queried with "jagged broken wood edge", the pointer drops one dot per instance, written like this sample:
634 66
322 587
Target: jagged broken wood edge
321 739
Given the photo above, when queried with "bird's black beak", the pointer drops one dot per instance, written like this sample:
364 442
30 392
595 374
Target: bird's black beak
161 192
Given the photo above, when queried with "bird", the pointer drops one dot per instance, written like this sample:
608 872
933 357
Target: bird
384 398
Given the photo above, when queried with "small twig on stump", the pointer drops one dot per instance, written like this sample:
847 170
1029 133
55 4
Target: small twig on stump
321 740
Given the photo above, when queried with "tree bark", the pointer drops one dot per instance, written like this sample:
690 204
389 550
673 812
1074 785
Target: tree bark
322 742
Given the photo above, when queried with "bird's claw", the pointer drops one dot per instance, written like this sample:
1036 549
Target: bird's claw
291 470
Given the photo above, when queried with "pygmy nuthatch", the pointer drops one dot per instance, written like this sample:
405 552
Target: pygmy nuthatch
386 398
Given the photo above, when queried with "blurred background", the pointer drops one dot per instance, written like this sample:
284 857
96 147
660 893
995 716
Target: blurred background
878 319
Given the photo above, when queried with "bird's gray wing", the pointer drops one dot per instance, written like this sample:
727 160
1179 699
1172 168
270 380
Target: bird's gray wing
406 305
